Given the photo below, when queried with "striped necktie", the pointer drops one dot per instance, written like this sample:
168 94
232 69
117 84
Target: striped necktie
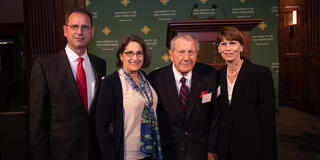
184 94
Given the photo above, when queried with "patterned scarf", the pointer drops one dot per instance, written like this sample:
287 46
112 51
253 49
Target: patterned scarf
150 135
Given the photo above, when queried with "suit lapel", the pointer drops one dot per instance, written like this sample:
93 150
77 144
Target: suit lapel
66 69
241 81
196 82
223 98
97 77
172 93
224 87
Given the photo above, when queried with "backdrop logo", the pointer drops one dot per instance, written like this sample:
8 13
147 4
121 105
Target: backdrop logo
164 2
165 57
204 1
262 26
125 2
88 2
242 1
145 29
106 31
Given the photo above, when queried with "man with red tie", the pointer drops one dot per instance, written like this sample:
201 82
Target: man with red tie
186 111
63 89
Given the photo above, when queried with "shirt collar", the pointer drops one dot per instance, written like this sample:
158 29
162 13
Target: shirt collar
178 76
72 56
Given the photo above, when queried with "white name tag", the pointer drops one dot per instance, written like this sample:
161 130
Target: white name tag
206 98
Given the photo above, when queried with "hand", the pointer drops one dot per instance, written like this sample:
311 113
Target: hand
212 156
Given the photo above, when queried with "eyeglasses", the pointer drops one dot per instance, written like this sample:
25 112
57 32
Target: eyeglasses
75 27
130 54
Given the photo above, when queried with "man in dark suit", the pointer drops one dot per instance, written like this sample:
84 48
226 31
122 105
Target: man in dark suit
187 110
63 87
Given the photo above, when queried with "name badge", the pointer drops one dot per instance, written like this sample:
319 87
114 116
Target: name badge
206 98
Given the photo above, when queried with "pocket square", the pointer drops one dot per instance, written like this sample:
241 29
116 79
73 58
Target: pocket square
103 77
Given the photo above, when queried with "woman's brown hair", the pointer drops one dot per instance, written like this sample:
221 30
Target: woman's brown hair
144 46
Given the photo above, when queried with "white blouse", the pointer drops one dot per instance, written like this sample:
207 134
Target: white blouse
133 104
230 89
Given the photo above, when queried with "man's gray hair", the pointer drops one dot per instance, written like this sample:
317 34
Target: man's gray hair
186 37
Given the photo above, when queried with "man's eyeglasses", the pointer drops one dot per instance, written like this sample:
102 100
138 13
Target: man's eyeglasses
130 54
75 27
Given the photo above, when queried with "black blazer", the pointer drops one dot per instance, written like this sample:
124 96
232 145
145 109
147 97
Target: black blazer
195 135
247 128
109 118
59 126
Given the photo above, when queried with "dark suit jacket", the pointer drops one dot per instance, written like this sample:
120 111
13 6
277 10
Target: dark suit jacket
60 128
195 135
109 118
247 128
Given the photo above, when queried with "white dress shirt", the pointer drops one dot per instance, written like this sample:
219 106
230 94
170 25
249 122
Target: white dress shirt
178 76
90 77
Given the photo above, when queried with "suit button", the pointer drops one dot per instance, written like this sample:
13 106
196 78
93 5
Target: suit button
182 148
186 133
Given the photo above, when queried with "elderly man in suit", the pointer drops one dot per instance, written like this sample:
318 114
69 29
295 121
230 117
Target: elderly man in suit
63 88
187 111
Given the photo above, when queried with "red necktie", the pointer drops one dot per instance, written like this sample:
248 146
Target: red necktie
82 83
184 94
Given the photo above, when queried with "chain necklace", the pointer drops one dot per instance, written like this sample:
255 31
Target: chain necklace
236 72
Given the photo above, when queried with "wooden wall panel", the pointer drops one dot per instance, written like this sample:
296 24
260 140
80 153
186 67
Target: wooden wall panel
299 55
313 80
40 36
44 20
291 3
292 55
291 84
